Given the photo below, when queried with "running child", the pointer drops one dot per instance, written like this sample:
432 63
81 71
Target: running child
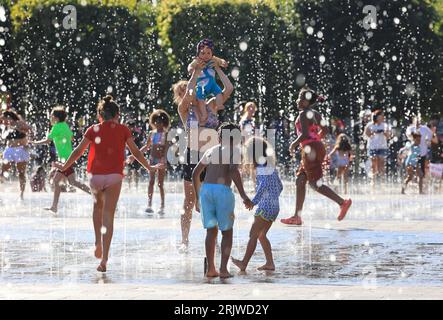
412 161
62 136
215 198
156 143
343 152
206 84
269 188
107 141
310 131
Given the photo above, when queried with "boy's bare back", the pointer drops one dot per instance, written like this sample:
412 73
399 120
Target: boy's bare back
220 163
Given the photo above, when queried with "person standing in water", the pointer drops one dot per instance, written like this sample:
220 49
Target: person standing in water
61 135
186 101
16 152
309 133
107 141
157 144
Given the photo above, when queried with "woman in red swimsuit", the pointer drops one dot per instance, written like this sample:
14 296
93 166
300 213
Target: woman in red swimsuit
310 132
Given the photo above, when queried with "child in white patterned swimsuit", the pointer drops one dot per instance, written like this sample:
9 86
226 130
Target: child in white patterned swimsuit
269 188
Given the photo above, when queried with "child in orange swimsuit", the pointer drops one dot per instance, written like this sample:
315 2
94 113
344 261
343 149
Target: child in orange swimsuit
310 131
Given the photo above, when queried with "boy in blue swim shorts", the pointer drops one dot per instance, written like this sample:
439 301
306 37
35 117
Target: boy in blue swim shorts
215 199
206 84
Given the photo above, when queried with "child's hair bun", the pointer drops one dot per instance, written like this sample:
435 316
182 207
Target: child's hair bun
108 98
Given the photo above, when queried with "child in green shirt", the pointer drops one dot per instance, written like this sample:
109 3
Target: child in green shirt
62 136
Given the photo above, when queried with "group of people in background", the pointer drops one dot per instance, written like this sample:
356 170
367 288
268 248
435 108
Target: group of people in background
207 183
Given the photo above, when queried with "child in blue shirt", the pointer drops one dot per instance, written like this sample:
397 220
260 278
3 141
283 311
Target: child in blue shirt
269 188
206 84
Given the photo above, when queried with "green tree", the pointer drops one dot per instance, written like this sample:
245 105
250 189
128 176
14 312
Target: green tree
392 67
112 50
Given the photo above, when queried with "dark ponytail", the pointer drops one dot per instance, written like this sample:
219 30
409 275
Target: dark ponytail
107 108
311 96
11 114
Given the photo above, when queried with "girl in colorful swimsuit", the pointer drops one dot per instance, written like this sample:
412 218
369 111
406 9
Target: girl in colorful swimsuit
157 145
269 188
343 152
107 141
186 101
16 153
206 84
309 133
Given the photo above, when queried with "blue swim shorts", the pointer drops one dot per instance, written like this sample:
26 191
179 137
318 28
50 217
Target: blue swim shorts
217 204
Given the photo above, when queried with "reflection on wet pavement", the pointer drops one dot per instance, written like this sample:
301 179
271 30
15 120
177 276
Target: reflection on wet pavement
302 255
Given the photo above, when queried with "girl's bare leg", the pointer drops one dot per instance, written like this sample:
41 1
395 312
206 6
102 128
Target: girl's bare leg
186 217
300 193
374 163
420 174
257 228
97 217
327 192
161 179
110 199
381 167
57 189
202 113
267 249
211 239
5 168
72 179
21 168
151 187
410 173
346 178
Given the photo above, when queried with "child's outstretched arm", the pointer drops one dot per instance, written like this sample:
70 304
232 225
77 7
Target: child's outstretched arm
77 153
192 65
219 62
236 177
137 153
43 141
332 152
227 84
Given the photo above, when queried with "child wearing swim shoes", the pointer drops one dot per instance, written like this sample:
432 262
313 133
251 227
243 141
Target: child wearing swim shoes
215 199
206 84
269 188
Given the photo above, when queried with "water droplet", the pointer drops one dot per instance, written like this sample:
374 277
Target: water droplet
103 230
235 73
309 114
86 62
310 30
243 46
97 140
